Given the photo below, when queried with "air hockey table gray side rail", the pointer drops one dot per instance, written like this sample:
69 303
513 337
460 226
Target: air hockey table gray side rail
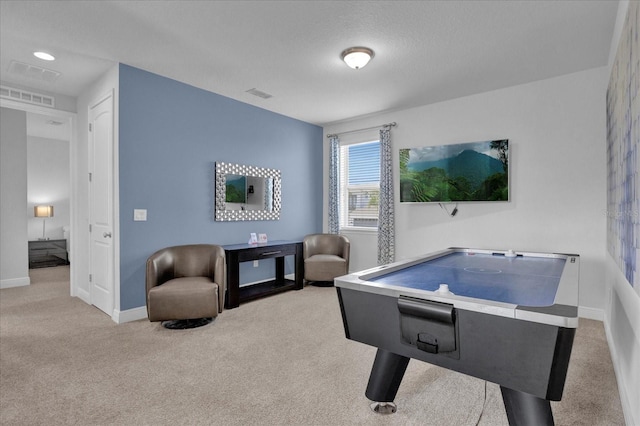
563 312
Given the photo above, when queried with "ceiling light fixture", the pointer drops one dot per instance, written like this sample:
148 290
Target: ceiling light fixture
44 56
357 57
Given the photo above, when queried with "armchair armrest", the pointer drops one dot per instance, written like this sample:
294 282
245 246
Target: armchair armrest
219 273
346 249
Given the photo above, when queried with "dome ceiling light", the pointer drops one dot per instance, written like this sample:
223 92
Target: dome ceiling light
357 57
44 56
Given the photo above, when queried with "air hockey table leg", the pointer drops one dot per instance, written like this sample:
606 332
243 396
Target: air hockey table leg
384 381
524 409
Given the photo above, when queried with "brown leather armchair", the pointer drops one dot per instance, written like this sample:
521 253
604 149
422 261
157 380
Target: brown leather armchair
186 285
326 256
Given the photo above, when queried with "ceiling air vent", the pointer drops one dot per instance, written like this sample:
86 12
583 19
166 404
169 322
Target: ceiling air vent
33 72
28 97
259 93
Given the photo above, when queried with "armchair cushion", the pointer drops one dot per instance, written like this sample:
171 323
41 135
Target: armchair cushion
324 267
183 298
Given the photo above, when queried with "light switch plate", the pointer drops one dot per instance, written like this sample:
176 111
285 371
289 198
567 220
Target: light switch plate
139 215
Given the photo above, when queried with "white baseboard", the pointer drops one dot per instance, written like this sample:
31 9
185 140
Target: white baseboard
591 313
15 282
129 315
139 313
627 408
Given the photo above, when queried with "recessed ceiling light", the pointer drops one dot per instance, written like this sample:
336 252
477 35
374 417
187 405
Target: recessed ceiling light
357 57
44 56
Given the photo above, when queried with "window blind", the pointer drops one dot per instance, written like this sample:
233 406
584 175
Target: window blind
359 184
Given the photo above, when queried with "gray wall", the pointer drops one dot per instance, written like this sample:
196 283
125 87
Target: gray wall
14 262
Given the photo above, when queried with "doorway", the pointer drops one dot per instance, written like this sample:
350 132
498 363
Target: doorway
48 190
40 132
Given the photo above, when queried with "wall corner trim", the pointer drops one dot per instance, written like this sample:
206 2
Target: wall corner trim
129 315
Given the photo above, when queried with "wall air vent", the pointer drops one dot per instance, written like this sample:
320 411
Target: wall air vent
33 72
259 93
28 97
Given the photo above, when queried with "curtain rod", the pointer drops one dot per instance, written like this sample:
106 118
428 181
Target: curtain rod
331 135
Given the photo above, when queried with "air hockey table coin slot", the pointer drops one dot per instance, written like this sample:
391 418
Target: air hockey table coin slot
429 326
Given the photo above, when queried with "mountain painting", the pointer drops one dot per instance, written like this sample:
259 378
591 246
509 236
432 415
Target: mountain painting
474 171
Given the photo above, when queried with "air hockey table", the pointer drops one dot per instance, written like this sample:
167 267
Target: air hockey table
502 316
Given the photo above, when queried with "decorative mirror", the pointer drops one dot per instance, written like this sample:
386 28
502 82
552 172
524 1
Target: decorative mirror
247 193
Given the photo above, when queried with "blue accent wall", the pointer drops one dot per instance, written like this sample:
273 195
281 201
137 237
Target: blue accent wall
170 137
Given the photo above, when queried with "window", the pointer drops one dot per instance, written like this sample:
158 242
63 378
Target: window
359 185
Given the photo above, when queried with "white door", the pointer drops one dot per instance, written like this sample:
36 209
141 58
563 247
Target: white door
101 204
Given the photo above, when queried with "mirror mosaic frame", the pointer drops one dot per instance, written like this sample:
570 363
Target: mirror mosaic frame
224 215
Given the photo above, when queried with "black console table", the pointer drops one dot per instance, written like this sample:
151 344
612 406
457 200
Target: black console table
237 253
45 253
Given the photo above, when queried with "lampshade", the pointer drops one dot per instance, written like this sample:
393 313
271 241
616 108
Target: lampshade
43 211
357 57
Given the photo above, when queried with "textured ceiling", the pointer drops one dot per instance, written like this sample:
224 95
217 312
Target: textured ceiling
426 51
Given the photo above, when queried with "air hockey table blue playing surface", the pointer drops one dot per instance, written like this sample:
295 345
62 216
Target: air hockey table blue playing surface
521 280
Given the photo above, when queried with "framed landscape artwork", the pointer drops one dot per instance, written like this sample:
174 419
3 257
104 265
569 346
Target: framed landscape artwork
474 171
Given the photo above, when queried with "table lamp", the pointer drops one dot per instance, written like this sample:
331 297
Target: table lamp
44 212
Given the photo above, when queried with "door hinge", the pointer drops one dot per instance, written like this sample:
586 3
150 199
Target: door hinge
90 176
90 127
90 229
90 277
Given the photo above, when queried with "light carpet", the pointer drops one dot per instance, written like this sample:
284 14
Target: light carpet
281 360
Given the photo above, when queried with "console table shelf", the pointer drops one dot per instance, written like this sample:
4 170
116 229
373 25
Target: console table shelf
237 253
256 291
